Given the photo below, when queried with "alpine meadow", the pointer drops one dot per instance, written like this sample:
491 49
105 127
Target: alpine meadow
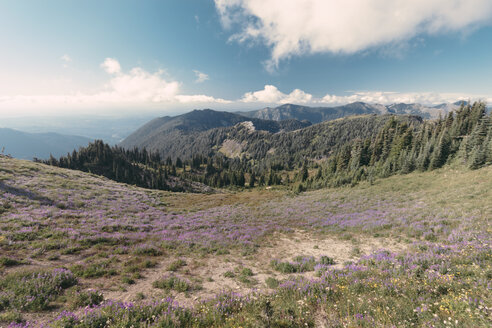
155 172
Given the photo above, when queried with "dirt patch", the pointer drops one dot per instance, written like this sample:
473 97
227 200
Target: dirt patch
341 250
210 272
231 148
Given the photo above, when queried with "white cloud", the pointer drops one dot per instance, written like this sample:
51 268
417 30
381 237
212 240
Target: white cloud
386 98
144 91
185 99
297 96
270 94
294 27
200 76
137 89
139 85
65 59
111 66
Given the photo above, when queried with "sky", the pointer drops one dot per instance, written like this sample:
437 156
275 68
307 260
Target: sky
131 57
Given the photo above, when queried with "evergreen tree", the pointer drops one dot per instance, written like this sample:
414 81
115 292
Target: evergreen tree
252 179
441 152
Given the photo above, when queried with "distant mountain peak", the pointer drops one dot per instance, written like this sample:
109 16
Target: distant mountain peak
320 114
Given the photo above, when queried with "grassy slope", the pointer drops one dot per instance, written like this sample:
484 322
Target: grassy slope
107 233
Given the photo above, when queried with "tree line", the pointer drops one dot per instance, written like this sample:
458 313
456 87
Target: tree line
147 169
400 147
326 154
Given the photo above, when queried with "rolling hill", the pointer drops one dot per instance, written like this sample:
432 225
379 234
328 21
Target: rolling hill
182 135
248 141
394 243
25 145
192 133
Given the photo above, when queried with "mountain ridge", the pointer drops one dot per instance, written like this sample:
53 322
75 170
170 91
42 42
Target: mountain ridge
182 135
320 114
25 145
189 125
247 139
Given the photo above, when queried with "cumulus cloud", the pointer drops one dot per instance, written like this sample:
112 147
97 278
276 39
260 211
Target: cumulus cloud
136 87
298 96
111 66
294 27
185 99
65 59
139 85
271 94
140 89
200 76
386 98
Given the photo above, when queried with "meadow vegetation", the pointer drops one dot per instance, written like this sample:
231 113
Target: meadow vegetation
78 250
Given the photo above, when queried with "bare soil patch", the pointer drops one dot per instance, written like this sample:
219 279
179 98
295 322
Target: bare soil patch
210 272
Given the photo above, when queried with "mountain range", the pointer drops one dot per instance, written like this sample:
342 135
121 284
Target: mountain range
207 132
24 145
321 114
256 140
181 135
189 133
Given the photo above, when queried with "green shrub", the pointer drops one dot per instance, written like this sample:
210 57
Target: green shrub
229 274
33 291
93 270
325 260
271 282
85 298
176 265
8 262
147 250
300 264
127 280
247 272
172 283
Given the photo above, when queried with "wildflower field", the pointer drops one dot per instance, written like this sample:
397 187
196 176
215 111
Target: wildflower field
78 250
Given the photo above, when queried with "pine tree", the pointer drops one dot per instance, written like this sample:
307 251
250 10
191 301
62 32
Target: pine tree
441 151
488 149
252 179
343 158
408 162
478 157
424 157
304 173
179 162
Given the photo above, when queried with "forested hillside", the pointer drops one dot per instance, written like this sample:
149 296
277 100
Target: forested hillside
232 156
464 136
183 135
333 153
175 136
289 150
134 167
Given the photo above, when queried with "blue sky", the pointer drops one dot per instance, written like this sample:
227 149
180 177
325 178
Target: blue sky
117 56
